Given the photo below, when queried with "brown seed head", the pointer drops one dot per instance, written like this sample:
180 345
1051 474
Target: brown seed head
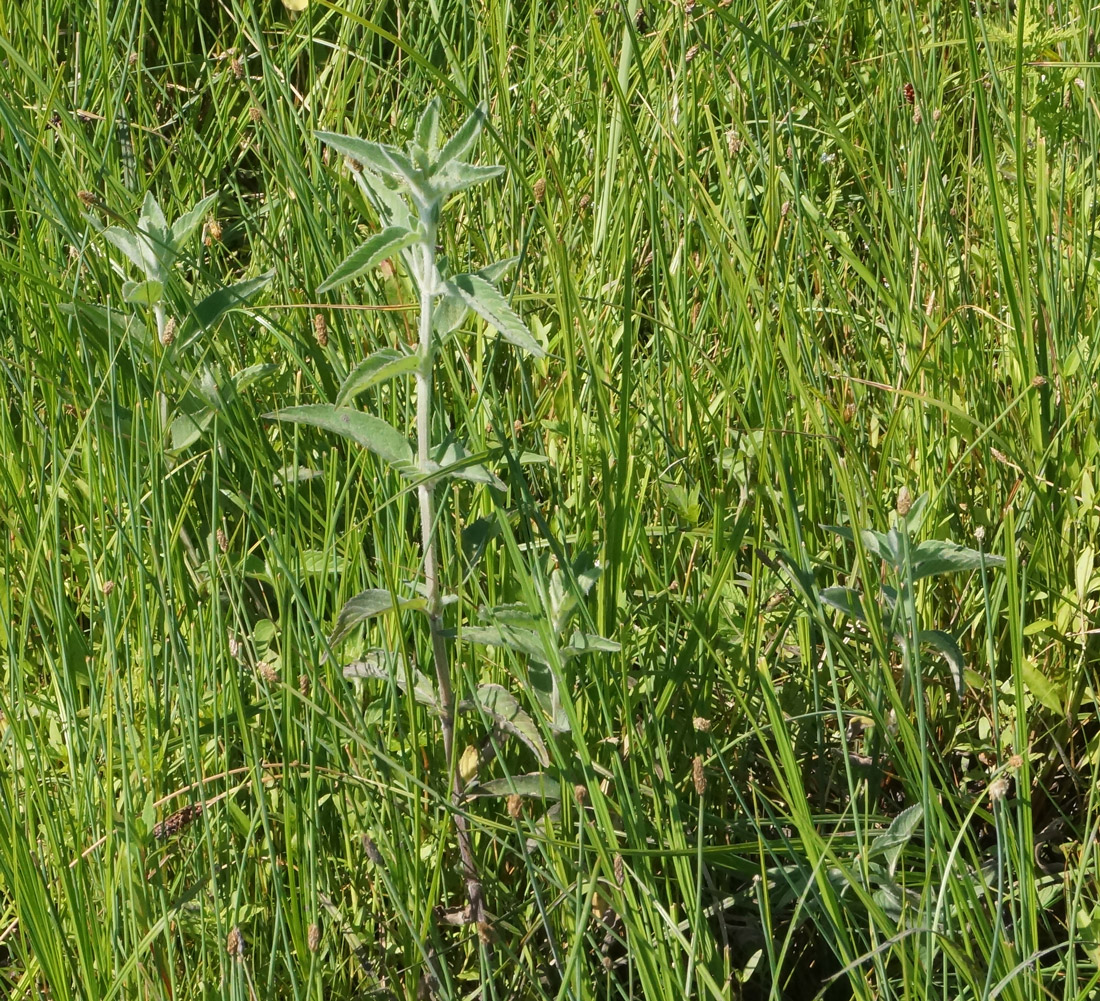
108 587
236 67
255 114
313 938
303 684
372 850
213 233
539 190
580 793
168 334
485 932
222 540
998 789
698 777
515 805
87 198
1038 382
582 205
904 503
691 53
178 821
320 330
619 868
701 724
234 943
268 673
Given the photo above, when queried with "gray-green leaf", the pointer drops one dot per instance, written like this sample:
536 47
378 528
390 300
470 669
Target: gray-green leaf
499 704
460 143
369 254
936 557
373 434
366 605
457 176
427 129
146 293
385 665
536 785
490 305
187 223
383 365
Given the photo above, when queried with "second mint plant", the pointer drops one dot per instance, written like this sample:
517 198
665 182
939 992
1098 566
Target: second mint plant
407 188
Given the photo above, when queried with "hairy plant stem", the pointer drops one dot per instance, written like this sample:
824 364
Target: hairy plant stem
431 573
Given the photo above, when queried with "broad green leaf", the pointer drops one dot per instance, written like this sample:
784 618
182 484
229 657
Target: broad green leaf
253 374
845 600
129 244
458 176
457 462
369 254
945 645
152 230
146 293
382 159
461 142
500 705
536 785
582 643
383 365
373 434
891 843
451 310
490 305
427 129
514 614
386 666
525 641
189 427
218 303
936 557
365 605
319 561
187 223
152 217
1050 694
383 194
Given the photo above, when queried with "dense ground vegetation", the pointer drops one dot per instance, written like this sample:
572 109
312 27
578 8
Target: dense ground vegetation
804 272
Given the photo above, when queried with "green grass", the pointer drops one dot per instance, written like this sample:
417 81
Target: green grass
775 291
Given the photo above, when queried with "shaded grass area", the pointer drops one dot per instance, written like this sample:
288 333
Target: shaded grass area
788 261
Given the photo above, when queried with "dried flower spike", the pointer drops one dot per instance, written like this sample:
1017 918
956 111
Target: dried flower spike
234 943
698 777
313 938
320 330
178 821
539 190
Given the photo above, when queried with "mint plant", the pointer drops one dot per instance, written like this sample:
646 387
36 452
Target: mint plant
907 562
154 247
407 189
